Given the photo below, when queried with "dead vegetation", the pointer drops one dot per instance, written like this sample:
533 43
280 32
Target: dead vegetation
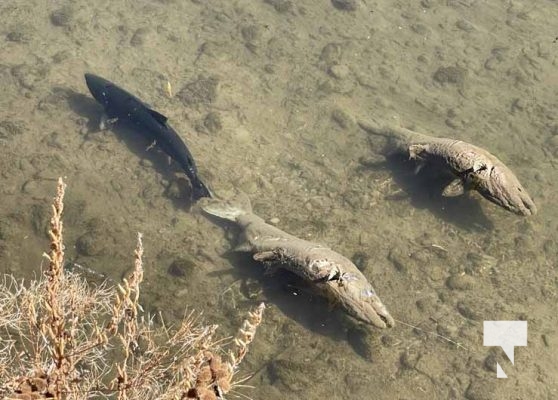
63 338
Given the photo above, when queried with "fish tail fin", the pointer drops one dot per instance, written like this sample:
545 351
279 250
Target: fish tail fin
374 128
394 132
230 208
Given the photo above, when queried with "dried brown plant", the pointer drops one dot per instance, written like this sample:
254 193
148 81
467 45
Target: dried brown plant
63 338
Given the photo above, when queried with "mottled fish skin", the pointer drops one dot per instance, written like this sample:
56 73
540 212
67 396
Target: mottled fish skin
332 274
474 167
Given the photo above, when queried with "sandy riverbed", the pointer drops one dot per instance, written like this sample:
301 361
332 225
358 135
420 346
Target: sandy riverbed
266 94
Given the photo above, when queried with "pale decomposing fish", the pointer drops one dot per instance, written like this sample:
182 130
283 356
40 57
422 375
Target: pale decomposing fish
474 168
333 275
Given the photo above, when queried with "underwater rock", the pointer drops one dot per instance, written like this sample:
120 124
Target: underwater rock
251 33
281 6
427 305
182 267
469 310
331 53
479 263
139 37
490 361
342 118
91 244
360 259
345 5
9 129
399 259
409 358
39 218
63 16
293 375
61 56
212 122
449 75
21 34
460 282
480 390
339 71
201 91
251 288
553 145
28 75
178 189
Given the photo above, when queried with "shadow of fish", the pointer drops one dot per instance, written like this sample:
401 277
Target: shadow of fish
121 106
473 167
333 275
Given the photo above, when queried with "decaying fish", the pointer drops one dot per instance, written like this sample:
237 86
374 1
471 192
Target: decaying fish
473 167
333 275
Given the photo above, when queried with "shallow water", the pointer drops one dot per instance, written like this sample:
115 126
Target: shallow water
277 88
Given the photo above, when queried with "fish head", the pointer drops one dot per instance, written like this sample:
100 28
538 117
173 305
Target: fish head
373 311
499 185
99 88
360 300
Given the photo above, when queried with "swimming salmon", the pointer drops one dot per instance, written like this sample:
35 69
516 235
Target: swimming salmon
122 106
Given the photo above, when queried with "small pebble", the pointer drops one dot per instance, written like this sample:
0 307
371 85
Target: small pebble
146 163
546 340
139 37
469 310
409 359
399 259
9 129
345 5
339 71
274 221
331 53
251 33
436 273
182 267
91 244
360 259
480 390
61 56
465 25
281 6
212 122
251 288
449 75
62 17
460 282
21 34
343 119
201 91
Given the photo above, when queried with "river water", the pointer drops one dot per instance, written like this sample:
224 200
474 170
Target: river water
267 94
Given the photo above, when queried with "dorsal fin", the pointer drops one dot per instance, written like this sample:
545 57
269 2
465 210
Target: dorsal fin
158 116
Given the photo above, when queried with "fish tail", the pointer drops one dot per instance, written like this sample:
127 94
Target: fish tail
375 129
400 136
230 209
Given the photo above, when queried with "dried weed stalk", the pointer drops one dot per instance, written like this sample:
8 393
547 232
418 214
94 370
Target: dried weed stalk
65 339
